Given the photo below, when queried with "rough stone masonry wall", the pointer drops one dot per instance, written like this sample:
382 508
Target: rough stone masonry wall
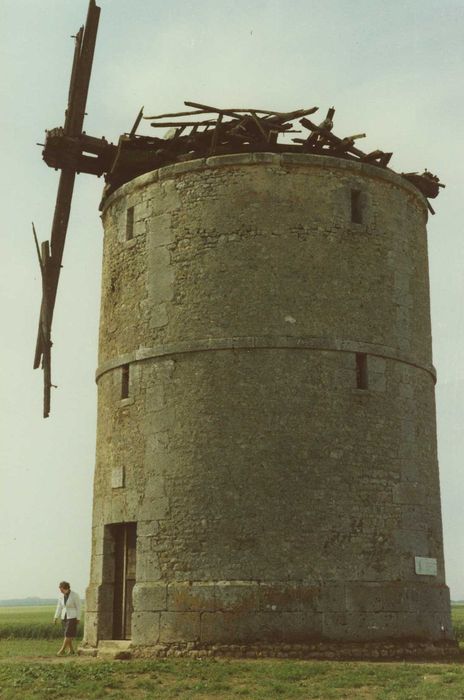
275 501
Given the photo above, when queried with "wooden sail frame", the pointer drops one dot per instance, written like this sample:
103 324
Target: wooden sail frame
85 41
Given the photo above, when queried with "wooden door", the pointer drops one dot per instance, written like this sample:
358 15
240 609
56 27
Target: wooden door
125 537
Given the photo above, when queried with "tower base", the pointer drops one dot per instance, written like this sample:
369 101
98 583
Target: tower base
343 651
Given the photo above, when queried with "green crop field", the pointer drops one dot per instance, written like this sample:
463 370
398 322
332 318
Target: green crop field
457 615
457 612
29 622
27 615
29 670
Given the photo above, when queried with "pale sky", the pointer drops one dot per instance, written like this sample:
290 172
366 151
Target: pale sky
392 69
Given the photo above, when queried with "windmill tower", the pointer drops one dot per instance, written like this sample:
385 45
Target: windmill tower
266 468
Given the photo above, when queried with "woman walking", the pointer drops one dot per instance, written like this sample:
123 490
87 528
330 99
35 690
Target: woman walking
68 610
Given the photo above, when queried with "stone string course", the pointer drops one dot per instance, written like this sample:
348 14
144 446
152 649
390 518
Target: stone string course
215 344
276 502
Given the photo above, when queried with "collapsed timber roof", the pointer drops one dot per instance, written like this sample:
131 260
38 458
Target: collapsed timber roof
205 131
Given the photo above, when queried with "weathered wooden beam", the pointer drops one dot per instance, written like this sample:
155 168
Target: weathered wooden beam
184 124
381 157
346 143
43 254
60 225
385 159
328 121
74 73
354 137
308 124
239 113
373 155
238 110
138 119
46 327
208 108
57 239
90 165
74 119
92 144
259 126
277 117
83 69
272 137
216 132
77 153
189 113
280 117
427 184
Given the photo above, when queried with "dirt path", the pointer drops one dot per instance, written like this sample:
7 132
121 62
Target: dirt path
46 658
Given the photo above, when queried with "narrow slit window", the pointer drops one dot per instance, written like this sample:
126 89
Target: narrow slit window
125 382
356 209
361 370
130 224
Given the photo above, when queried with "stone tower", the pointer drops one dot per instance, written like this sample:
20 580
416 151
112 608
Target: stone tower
266 455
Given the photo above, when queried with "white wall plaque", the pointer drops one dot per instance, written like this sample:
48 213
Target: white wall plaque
117 478
426 566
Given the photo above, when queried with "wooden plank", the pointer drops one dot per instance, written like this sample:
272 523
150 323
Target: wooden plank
373 155
40 340
91 144
184 124
238 110
46 328
354 137
204 109
427 184
208 108
43 255
280 117
136 123
240 125
77 98
83 69
216 134
77 153
346 143
308 124
257 122
211 110
34 233
58 236
91 165
385 159
74 69
189 113
272 137
381 157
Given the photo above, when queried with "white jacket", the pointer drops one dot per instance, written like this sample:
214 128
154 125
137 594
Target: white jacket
71 609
